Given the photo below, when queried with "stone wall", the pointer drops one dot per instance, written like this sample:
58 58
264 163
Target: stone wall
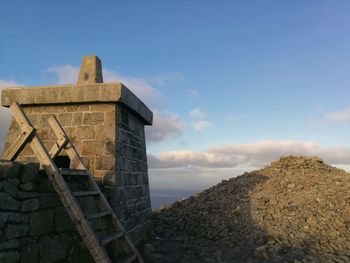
131 197
111 141
90 127
34 226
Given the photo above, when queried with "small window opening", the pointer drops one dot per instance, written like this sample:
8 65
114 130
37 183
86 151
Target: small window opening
62 161
86 76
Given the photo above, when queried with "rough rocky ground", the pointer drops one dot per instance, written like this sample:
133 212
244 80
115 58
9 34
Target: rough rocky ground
295 210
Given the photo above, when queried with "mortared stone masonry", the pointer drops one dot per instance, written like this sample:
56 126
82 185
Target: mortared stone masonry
106 123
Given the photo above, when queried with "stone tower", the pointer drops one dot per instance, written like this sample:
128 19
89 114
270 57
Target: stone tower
106 123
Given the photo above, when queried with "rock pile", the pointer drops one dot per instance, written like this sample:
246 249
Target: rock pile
295 210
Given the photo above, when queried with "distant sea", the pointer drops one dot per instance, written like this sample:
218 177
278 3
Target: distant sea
168 196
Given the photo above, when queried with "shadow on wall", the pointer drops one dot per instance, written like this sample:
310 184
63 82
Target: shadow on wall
5 116
217 226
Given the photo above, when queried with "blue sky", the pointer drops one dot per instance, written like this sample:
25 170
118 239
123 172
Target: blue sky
249 79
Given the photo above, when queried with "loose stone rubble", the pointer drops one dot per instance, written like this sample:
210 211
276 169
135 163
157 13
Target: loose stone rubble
295 210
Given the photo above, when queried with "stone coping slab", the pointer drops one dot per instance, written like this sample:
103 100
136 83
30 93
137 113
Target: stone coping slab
75 94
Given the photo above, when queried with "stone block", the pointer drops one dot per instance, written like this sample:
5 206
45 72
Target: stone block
10 187
9 257
53 109
49 200
30 253
7 203
78 93
94 118
86 132
30 205
9 169
65 93
92 93
104 163
102 107
3 218
63 221
83 108
105 132
110 92
77 119
28 187
9 244
53 249
65 119
92 148
47 95
41 222
18 218
13 231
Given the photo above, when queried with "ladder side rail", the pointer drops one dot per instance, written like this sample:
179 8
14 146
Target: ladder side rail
62 190
18 145
101 201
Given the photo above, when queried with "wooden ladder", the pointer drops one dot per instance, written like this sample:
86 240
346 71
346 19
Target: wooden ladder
103 250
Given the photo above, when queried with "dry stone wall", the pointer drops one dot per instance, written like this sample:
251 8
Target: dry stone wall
34 226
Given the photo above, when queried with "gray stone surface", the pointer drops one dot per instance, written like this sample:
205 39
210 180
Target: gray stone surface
7 203
9 257
30 205
41 222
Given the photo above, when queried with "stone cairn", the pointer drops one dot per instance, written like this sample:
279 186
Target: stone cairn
295 210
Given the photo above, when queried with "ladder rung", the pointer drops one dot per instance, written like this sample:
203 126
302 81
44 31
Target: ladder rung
113 236
99 214
85 193
127 258
67 171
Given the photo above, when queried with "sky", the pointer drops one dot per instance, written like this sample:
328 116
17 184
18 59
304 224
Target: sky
233 85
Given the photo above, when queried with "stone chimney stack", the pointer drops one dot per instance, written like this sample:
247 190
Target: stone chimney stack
90 71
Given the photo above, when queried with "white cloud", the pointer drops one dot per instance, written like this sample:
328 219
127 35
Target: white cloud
65 74
197 113
164 126
201 125
209 166
338 116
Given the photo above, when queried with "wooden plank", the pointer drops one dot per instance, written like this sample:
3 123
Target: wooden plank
86 193
76 172
18 145
113 236
58 147
99 214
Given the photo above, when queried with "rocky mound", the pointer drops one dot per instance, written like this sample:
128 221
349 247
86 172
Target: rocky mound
295 210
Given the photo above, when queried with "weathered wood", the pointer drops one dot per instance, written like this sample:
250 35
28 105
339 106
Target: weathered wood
74 172
85 193
18 145
99 214
113 236
58 147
